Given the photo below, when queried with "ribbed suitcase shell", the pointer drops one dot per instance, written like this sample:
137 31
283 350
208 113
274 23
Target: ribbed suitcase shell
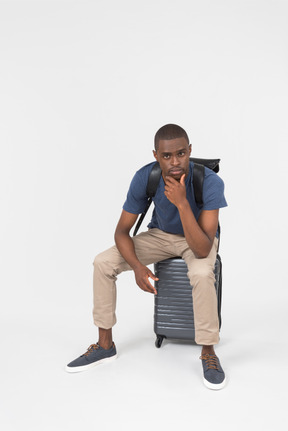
173 317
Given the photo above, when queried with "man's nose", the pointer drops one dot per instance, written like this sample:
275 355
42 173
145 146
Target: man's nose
175 161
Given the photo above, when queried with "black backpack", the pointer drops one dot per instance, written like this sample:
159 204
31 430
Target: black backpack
198 179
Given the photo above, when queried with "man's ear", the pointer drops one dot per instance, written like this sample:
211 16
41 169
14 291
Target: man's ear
155 155
190 149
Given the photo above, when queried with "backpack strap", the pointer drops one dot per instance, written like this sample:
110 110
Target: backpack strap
198 180
153 180
152 185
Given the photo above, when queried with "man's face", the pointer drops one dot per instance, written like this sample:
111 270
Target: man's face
173 157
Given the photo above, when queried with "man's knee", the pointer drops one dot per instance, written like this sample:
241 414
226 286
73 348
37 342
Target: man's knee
102 264
110 262
98 261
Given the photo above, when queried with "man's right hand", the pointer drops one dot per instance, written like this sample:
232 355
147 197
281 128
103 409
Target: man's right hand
142 275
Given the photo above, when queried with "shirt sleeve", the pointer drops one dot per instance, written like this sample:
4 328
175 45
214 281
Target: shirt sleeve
213 192
136 199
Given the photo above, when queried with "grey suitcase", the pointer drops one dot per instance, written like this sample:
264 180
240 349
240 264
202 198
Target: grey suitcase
173 312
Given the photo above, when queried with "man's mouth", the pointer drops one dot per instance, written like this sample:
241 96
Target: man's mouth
174 172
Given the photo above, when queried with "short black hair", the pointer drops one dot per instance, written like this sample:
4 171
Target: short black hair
169 131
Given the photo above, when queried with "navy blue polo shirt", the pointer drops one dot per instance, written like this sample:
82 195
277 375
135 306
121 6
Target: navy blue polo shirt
165 214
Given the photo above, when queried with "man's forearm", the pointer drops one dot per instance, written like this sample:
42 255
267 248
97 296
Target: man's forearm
126 247
196 238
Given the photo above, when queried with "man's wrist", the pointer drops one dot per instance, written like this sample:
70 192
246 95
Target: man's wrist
183 205
136 265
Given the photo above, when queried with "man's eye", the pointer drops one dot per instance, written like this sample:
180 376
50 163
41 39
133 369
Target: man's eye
181 153
166 156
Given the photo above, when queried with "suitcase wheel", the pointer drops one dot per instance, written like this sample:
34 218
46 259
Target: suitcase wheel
159 341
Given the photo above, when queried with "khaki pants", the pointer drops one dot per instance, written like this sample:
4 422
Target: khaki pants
153 246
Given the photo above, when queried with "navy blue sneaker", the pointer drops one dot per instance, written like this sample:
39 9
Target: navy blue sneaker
95 355
214 376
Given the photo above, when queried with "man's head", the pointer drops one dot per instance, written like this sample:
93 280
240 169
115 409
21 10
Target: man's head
167 132
172 151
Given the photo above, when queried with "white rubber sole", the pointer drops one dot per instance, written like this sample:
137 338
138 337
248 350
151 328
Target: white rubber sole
89 366
213 386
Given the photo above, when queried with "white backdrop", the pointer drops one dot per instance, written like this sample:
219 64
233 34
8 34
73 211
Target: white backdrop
84 87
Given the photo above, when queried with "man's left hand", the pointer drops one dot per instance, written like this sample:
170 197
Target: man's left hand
175 191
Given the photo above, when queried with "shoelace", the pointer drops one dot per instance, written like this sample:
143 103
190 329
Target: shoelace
91 349
211 361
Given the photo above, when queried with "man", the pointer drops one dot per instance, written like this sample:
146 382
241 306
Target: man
177 228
